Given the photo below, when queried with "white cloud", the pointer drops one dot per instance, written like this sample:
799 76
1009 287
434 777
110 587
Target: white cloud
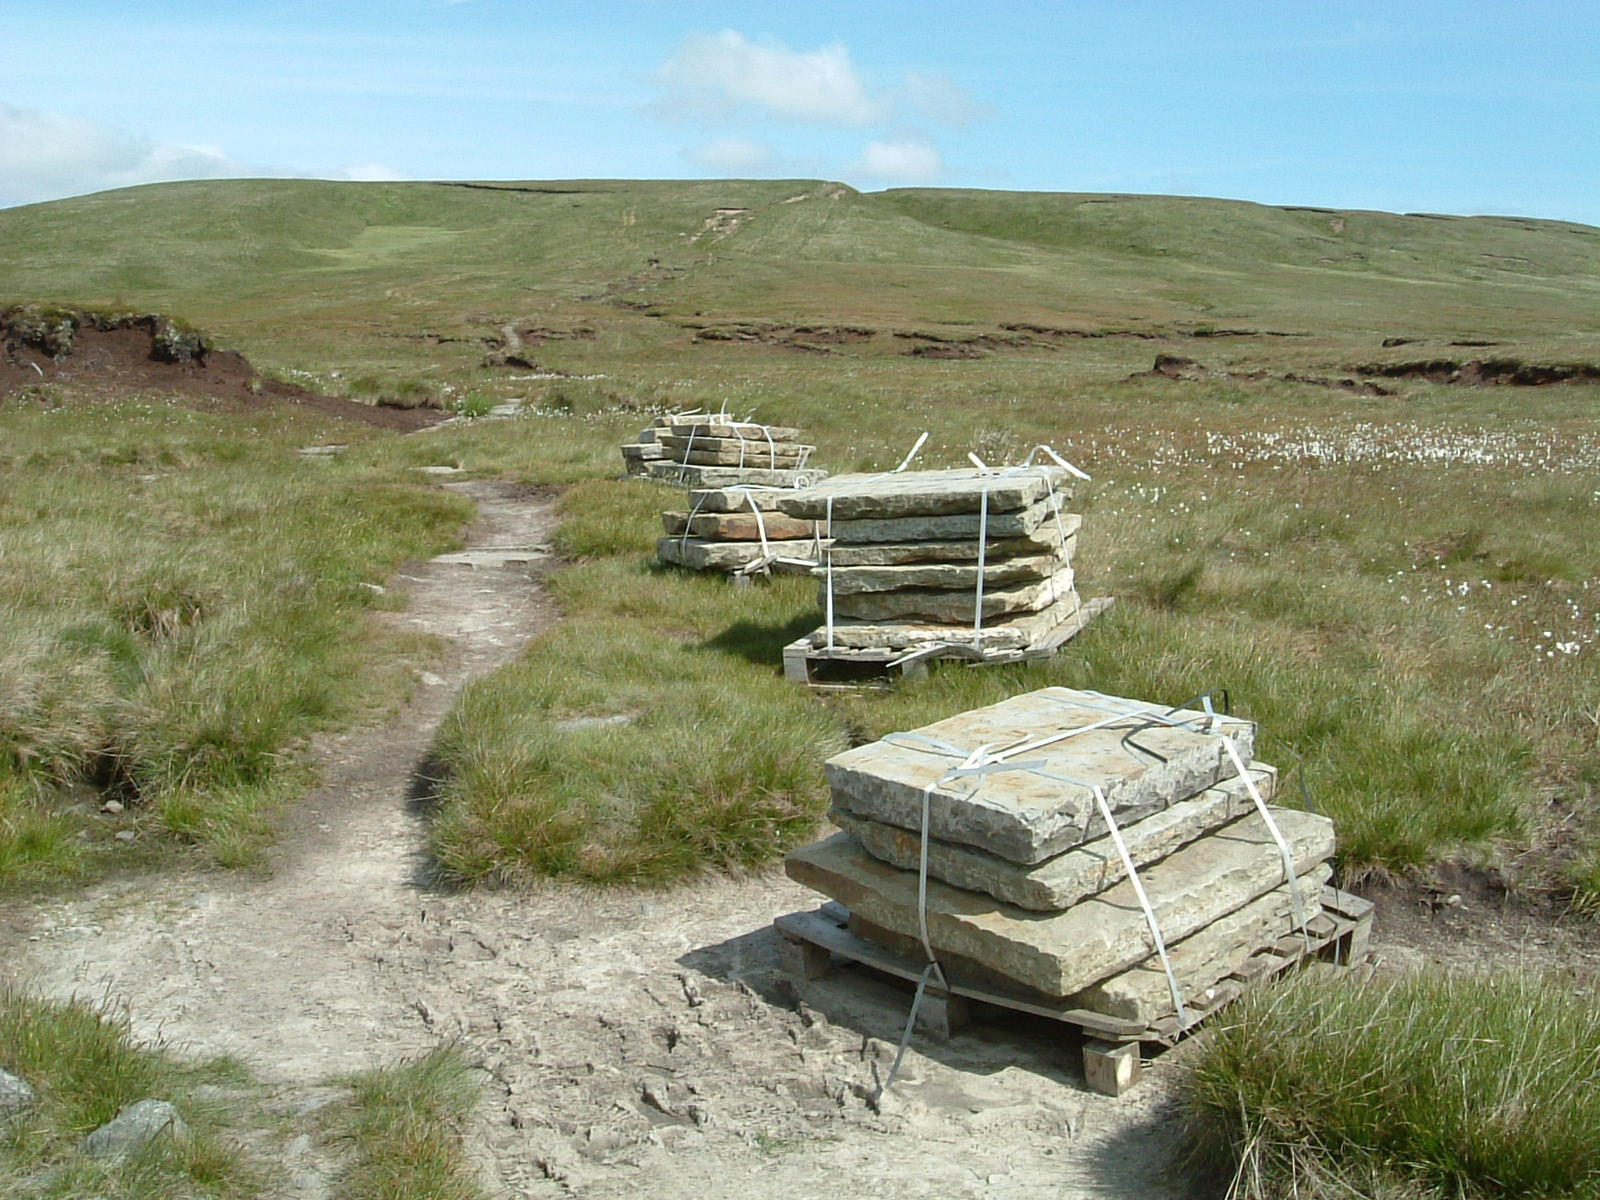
901 160
939 98
732 154
44 155
716 74
370 172
49 155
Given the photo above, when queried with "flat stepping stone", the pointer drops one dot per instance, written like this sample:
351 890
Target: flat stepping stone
928 493
946 527
1063 953
952 607
494 556
1049 537
1060 882
1141 765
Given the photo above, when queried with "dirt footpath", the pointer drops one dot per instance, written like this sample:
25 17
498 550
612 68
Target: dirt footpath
628 1040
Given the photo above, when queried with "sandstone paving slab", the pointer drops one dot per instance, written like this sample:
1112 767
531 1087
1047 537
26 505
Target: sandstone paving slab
1023 815
700 554
643 451
747 431
1206 957
736 499
1060 882
1017 632
693 441
849 581
783 461
722 477
1141 993
951 605
947 526
928 493
1051 537
1062 953
738 527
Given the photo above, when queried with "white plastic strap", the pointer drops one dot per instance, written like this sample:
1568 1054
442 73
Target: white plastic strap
1277 835
1144 903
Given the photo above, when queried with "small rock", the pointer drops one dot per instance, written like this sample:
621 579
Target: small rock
429 679
111 806
654 1093
134 1128
15 1094
124 835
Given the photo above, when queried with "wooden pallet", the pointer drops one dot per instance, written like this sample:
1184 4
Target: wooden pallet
814 943
824 669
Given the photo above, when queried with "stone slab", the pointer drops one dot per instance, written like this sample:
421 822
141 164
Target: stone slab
748 431
732 458
643 451
928 493
1023 815
694 420
1060 882
736 499
1060 954
738 527
1019 632
1206 957
947 526
1047 538
694 441
723 477
851 581
698 554
950 607
1141 993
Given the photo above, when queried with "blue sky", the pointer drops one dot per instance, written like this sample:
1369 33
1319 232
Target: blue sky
1404 105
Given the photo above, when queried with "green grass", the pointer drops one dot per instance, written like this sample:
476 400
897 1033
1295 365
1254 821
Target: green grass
185 602
404 1126
1301 547
84 1069
1422 1087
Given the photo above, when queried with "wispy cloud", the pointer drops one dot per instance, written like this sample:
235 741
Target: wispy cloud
48 155
732 154
901 160
714 75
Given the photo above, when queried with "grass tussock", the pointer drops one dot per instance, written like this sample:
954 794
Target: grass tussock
84 1069
614 752
175 620
1427 1086
405 1124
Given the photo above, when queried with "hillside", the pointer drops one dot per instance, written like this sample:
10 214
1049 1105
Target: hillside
290 270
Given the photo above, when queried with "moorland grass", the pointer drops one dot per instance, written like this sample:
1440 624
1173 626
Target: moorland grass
404 1125
84 1068
185 602
1425 1086
1361 584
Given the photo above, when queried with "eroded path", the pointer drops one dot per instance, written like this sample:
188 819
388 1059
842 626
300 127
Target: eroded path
628 1040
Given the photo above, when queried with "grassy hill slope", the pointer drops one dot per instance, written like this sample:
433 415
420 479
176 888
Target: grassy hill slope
293 268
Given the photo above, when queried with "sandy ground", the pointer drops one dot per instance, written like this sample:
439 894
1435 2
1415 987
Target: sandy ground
627 1040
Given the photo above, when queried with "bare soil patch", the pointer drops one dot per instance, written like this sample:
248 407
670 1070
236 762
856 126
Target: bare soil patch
113 357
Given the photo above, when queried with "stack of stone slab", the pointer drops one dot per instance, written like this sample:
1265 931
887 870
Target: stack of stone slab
739 530
1027 892
711 450
922 558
